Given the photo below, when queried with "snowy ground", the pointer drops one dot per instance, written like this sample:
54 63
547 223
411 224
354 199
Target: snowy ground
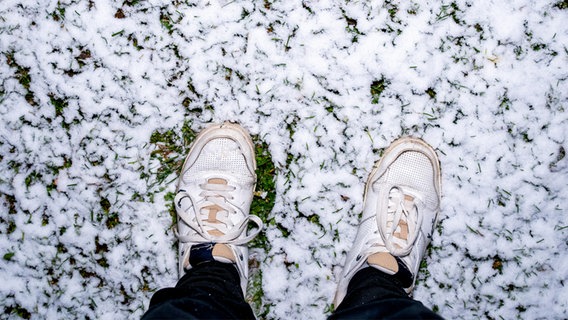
84 220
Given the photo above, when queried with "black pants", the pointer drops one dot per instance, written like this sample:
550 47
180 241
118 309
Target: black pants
212 291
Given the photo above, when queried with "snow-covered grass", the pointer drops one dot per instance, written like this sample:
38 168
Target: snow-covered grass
99 100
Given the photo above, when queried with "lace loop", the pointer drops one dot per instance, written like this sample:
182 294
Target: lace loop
210 217
398 226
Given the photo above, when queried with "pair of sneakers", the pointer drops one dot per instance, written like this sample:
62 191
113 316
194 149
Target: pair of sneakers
215 191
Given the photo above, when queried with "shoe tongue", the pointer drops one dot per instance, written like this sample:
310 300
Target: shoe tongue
207 252
212 218
217 181
387 263
384 262
408 206
214 209
223 253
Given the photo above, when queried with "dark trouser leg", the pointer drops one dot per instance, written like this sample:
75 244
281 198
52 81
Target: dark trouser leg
372 294
210 290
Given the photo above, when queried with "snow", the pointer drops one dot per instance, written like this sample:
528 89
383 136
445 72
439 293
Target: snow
483 82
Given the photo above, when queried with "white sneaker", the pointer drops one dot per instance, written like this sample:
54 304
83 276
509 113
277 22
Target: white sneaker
402 201
213 199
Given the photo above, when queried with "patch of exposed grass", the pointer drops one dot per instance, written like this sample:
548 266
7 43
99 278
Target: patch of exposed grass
265 192
562 5
262 204
23 77
59 104
352 28
452 11
169 20
255 292
170 151
377 88
131 3
18 311
59 13
431 93
8 256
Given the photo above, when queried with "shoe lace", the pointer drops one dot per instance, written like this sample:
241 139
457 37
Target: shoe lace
398 227
210 218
